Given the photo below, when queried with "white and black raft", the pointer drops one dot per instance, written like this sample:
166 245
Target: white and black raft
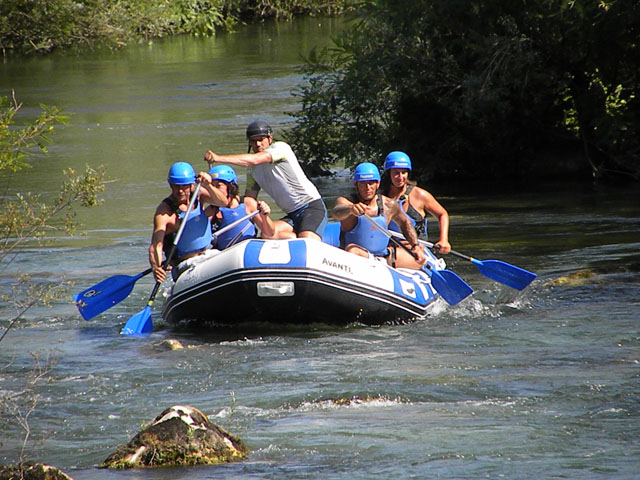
297 281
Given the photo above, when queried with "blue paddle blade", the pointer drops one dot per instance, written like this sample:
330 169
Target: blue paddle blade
139 323
509 275
104 295
449 286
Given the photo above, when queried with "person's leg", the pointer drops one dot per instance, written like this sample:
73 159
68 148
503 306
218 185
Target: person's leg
310 220
405 260
357 250
309 234
283 230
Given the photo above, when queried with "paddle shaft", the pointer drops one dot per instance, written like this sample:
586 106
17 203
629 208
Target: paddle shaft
452 252
234 223
141 322
183 224
502 272
390 236
451 287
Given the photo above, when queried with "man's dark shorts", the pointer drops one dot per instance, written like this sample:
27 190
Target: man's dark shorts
311 217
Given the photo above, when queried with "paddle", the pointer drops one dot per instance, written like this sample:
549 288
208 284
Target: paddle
141 322
217 233
502 272
104 295
448 285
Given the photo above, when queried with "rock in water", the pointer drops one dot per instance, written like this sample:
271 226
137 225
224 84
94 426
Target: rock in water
32 471
178 436
581 277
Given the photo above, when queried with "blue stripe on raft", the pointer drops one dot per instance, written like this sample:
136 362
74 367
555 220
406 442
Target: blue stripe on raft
397 288
297 252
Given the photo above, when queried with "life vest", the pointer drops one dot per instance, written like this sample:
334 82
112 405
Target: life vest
366 235
230 215
417 220
196 235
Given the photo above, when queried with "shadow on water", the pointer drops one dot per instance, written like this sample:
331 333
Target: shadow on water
215 332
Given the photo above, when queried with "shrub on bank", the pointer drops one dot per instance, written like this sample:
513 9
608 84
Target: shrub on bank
28 26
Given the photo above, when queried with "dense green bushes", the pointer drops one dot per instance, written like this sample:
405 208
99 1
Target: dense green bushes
28 26
479 88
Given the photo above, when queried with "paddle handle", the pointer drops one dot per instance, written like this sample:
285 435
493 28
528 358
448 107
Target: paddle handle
143 274
463 256
234 223
452 252
154 292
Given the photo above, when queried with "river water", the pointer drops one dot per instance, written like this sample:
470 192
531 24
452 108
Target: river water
540 383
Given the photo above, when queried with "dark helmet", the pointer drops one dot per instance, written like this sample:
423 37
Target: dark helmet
259 127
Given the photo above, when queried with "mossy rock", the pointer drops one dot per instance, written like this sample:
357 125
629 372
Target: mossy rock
31 471
179 436
581 277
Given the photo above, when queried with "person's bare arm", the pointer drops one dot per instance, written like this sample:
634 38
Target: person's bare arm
429 205
161 223
211 194
394 212
263 220
346 212
240 159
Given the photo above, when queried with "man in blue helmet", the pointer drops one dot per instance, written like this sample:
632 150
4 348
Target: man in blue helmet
196 236
273 167
415 201
364 239
225 180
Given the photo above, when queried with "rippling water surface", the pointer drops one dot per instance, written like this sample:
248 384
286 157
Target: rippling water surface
540 383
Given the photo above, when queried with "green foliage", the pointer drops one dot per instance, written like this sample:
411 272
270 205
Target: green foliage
201 17
14 142
25 217
28 26
477 88
18 402
251 9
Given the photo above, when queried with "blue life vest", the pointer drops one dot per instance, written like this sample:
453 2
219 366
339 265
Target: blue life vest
196 235
417 221
230 215
367 236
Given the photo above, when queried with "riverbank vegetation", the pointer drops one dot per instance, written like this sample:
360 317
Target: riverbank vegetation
28 26
477 89
480 89
26 218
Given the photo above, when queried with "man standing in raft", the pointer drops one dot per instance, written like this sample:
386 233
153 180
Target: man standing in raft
274 167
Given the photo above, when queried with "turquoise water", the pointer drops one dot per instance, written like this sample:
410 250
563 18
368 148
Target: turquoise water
542 383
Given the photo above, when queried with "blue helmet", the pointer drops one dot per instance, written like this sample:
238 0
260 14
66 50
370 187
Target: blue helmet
224 173
366 172
181 173
397 160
